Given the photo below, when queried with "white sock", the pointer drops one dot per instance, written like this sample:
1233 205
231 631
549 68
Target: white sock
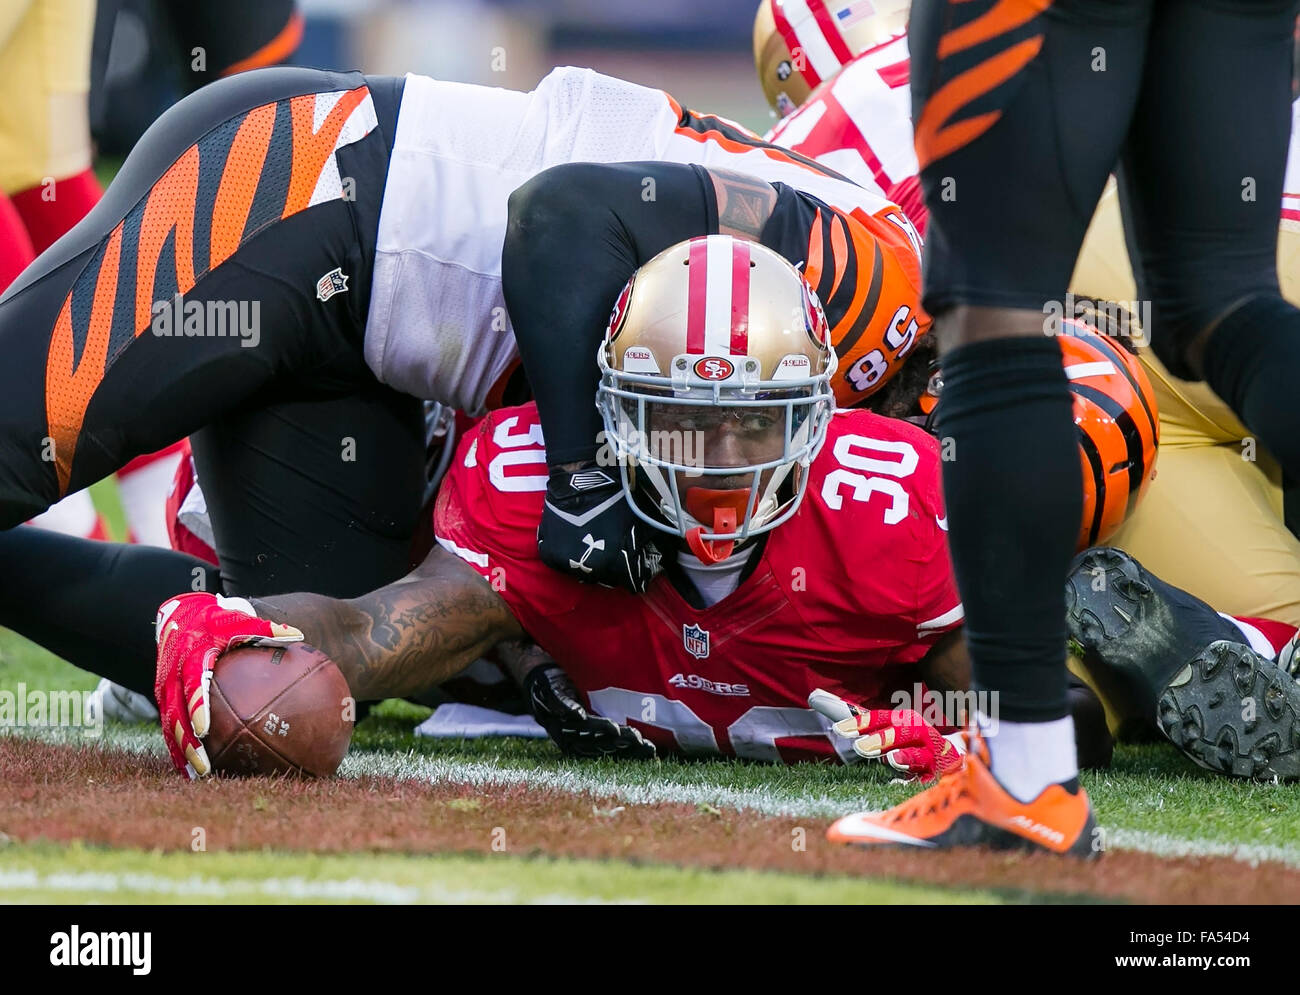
1027 757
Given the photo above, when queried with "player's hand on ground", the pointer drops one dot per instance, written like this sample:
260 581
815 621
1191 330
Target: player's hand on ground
554 703
192 631
906 741
589 531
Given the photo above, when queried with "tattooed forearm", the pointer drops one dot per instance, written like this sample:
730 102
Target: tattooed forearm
744 203
407 637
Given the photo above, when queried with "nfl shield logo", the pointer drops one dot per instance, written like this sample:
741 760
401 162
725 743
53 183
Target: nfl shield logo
331 283
696 641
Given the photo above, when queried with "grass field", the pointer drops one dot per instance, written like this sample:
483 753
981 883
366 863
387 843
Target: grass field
1156 809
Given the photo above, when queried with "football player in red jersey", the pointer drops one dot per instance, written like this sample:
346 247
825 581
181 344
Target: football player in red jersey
714 403
717 402
729 644
715 398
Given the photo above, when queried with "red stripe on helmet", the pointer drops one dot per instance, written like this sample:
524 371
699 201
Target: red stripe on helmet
697 294
787 31
830 30
740 298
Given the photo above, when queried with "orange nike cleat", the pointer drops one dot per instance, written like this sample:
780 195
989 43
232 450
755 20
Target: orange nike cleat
970 808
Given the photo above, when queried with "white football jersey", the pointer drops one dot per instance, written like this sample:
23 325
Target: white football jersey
437 326
860 122
1291 185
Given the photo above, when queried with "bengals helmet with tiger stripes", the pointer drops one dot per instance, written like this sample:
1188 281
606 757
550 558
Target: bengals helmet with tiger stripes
1118 425
799 44
1117 422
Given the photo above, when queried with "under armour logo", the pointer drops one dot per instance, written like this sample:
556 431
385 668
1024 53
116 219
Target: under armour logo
592 544
587 480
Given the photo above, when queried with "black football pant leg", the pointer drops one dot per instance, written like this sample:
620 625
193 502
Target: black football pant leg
1201 182
1018 126
234 35
318 496
314 495
93 603
98 370
313 468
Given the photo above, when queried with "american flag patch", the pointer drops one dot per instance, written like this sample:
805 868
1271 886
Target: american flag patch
851 13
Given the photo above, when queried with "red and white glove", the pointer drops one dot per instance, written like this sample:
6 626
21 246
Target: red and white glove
191 631
906 741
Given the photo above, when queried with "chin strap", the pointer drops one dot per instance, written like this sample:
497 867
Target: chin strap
704 503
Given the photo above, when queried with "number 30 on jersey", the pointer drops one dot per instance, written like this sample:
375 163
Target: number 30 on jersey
900 461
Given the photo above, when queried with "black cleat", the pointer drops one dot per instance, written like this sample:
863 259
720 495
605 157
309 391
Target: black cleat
1160 654
1234 712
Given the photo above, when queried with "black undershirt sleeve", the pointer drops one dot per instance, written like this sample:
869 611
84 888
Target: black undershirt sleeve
576 232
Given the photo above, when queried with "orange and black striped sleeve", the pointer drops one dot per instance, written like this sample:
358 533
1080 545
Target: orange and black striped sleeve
866 271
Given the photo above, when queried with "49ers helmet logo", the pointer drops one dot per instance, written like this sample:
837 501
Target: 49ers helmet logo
813 316
713 368
619 314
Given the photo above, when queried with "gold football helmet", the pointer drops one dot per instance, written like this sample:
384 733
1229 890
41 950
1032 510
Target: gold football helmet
715 390
801 43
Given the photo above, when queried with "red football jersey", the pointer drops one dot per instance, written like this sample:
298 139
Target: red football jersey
848 594
859 123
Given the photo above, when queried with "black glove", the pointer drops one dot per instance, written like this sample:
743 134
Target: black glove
554 703
589 531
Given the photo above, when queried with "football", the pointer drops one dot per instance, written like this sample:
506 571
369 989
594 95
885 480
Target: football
278 710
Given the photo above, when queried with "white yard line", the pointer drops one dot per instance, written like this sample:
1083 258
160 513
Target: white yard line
763 801
292 889
483 774
1161 845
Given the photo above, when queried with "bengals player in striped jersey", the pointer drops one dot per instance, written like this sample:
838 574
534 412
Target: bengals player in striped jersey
290 258
860 117
1009 102
47 184
1215 480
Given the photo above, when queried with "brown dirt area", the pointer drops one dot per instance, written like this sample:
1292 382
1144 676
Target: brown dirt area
108 798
